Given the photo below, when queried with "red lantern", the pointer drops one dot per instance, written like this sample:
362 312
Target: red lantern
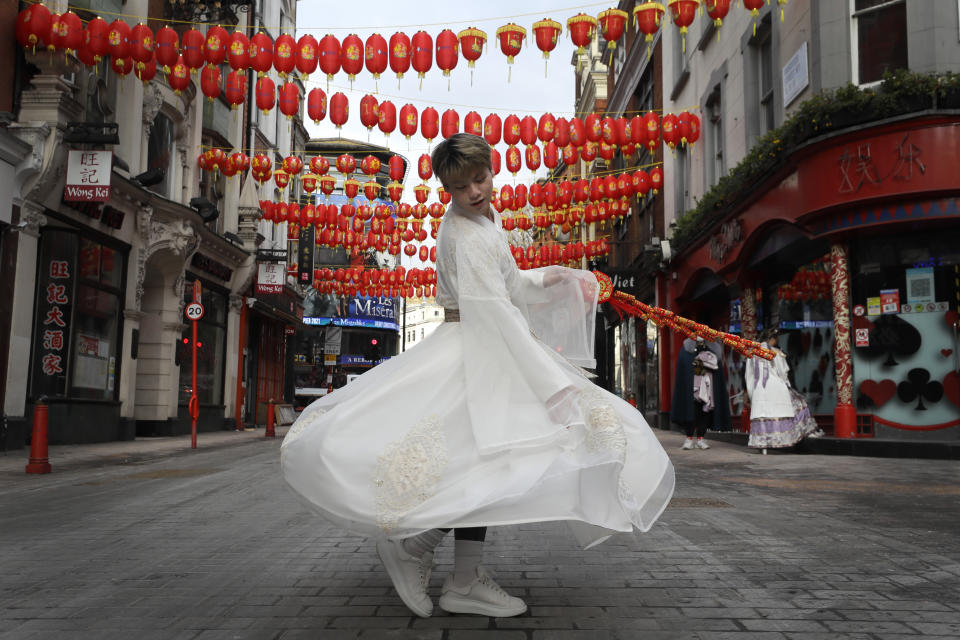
397 168
671 130
520 196
346 164
327 185
656 180
351 55
399 54
421 192
450 123
694 129
717 10
369 111
577 132
447 46
551 155
581 28
648 16
339 109
371 189
238 50
306 56
241 161
608 131
683 13
546 32
492 128
581 191
513 160
70 37
612 23
424 167
284 54
511 38
33 26
146 72
261 53
472 123
236 89
281 178
532 156
97 43
593 128
319 165
651 127
121 66
316 105
570 155
588 152
179 76
351 187
328 56
408 120
289 102
429 123
422 57
118 40
511 129
444 195
528 130
266 92
215 45
641 182
387 119
375 55
606 152
471 44
292 165
494 161
395 191
370 165
192 46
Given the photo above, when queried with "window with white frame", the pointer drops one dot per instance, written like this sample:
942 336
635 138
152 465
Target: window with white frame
680 180
765 75
714 136
879 38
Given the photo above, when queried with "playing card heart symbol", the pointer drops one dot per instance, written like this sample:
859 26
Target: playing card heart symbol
946 352
951 387
951 318
879 392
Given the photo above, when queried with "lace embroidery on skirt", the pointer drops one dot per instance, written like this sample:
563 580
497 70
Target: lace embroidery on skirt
408 472
604 429
299 426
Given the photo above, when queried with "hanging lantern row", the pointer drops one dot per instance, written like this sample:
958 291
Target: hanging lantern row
398 282
141 50
559 195
569 254
808 284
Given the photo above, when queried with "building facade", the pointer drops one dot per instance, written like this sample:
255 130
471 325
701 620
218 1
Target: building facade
97 327
818 202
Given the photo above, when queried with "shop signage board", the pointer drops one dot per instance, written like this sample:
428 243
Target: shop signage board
890 300
88 176
270 277
920 286
795 75
305 255
873 306
862 337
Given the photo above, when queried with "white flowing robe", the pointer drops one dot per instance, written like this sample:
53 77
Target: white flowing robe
488 421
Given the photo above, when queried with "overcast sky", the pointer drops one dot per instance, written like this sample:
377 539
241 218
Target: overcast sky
528 92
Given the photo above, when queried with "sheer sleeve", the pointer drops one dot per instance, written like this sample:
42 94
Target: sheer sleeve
504 364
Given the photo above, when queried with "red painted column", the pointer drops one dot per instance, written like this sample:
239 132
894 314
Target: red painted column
845 414
241 346
270 432
748 329
39 458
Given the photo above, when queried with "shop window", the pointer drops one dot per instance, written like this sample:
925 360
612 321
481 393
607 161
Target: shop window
77 335
879 38
211 348
714 136
680 180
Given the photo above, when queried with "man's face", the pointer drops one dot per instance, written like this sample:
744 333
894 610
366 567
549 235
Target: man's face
472 190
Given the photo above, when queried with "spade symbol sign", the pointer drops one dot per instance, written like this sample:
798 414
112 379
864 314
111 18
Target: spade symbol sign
892 336
917 386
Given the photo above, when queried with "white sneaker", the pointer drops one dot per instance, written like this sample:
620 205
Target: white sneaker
482 596
410 575
702 444
687 444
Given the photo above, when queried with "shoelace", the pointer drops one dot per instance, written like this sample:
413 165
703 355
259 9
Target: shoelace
485 579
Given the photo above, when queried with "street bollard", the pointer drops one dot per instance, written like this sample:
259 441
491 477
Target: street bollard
39 460
270 431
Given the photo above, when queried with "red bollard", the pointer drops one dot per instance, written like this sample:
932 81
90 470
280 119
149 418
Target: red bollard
39 460
270 431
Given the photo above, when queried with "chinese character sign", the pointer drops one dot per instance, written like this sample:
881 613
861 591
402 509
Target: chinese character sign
54 301
88 176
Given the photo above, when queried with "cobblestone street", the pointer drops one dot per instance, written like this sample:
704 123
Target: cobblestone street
209 544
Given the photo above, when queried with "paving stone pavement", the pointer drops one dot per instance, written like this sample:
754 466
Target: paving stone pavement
149 542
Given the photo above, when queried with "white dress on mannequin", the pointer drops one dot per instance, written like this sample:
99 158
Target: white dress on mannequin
488 421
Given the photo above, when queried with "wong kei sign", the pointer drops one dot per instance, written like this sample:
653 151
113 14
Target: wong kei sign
88 176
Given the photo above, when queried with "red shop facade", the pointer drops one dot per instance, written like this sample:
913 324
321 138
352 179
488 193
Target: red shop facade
851 249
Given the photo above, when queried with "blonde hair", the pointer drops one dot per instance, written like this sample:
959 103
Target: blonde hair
458 154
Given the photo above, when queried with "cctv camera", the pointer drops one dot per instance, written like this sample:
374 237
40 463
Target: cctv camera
666 250
251 302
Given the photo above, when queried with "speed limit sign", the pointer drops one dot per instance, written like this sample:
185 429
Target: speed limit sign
194 311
